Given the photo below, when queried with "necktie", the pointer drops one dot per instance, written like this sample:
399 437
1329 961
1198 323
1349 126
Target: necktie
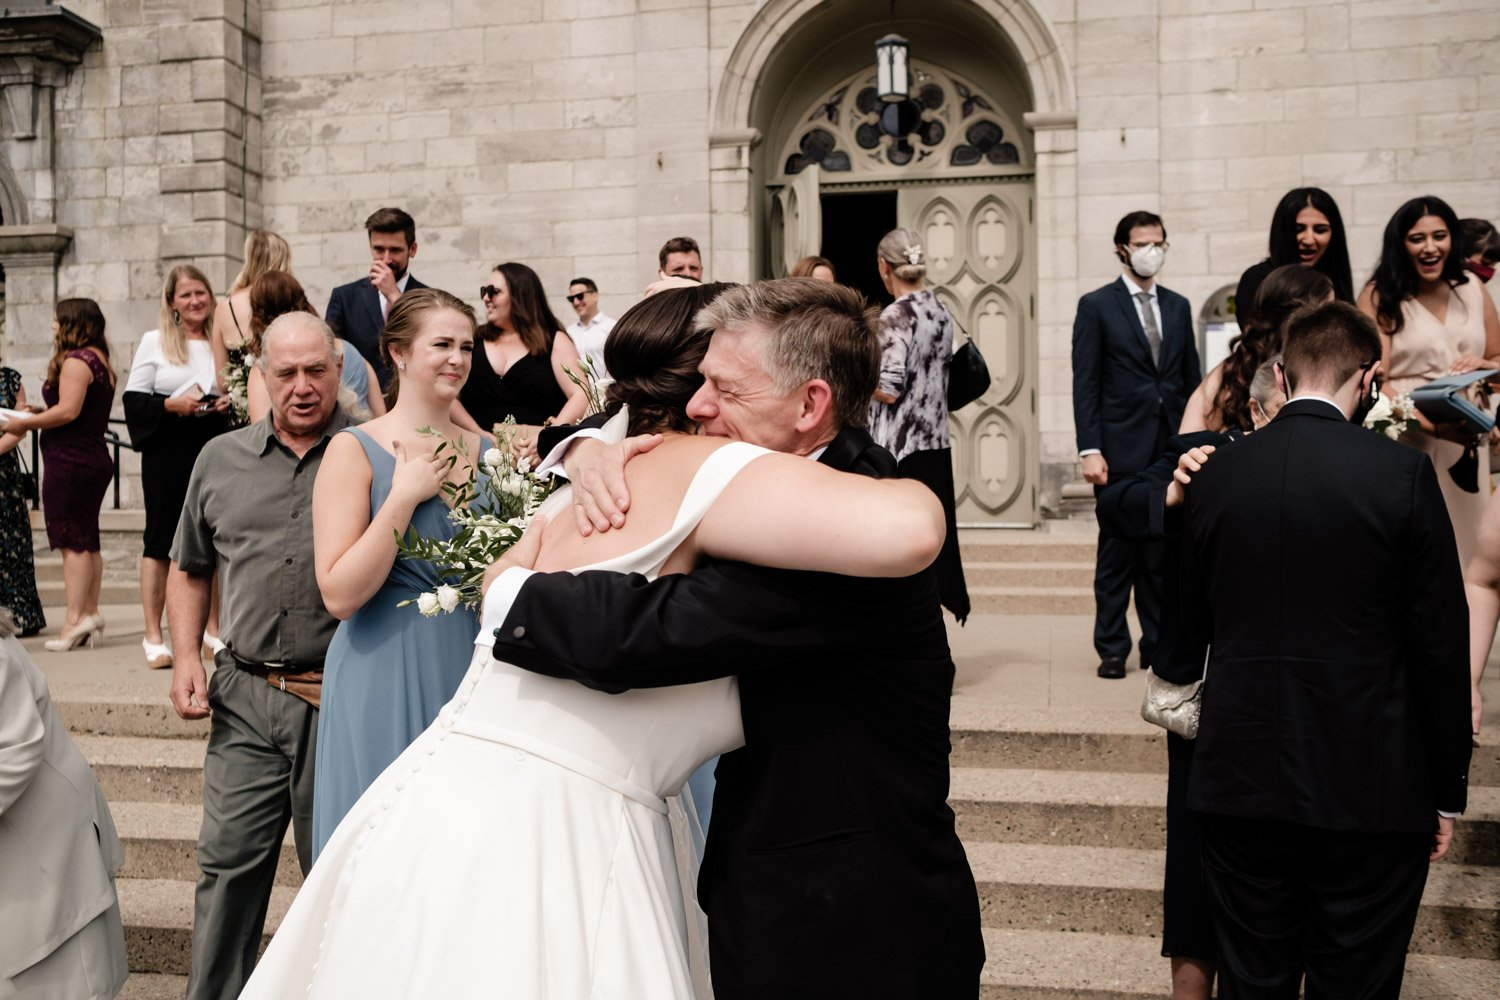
1148 320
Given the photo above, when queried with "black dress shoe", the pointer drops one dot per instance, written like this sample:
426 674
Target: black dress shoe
1112 667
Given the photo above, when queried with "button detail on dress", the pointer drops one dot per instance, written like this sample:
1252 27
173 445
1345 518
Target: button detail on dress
519 631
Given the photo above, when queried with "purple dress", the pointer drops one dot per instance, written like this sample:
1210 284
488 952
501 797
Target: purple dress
76 467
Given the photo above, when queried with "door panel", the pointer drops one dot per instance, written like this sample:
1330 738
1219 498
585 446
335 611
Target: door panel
980 264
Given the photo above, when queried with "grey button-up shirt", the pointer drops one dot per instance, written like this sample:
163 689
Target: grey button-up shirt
248 514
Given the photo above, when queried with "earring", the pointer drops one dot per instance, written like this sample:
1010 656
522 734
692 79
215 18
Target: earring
401 366
176 316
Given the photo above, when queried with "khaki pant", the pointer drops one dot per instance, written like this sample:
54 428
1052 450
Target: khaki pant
257 777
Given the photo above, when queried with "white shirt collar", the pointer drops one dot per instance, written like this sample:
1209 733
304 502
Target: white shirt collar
1134 288
401 285
1322 399
817 453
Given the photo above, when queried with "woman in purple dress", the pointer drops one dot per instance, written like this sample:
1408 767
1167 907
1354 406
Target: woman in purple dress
76 467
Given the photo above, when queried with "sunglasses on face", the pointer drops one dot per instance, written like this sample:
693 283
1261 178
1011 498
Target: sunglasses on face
577 297
488 291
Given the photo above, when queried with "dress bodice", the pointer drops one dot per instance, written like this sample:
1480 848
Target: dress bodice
642 743
1425 348
430 519
527 391
85 432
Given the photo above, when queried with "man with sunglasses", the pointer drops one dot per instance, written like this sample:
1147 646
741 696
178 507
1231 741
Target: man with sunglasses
592 327
1320 570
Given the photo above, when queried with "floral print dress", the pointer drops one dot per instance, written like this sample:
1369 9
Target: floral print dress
17 571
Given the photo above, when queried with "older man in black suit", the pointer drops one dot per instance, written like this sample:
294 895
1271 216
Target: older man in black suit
357 311
832 866
1334 745
1135 364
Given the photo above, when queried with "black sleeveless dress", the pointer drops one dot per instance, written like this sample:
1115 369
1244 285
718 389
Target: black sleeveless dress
528 391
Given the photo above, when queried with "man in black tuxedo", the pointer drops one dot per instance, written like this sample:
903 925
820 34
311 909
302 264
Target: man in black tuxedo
357 311
832 866
1135 364
1333 750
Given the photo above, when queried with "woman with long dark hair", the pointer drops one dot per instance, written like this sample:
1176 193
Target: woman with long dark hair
1222 401
1435 321
1307 229
77 470
519 361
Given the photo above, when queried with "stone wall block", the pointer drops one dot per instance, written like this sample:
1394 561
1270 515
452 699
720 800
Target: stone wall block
443 153
297 56
534 147
232 11
201 116
416 49
1198 76
131 46
1193 175
1120 144
1220 36
435 124
1213 141
201 40
201 240
216 146
1124 40
1440 96
599 36
149 85
391 20
218 206
1306 103
570 10
1386 29
217 80
602 112
666 30
288 24
548 175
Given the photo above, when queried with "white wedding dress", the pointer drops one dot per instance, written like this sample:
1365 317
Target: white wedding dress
521 847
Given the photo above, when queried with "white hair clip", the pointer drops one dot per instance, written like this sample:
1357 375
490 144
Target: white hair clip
914 254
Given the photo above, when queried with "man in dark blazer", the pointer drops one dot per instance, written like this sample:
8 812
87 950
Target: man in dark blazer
832 866
1333 749
357 311
1135 364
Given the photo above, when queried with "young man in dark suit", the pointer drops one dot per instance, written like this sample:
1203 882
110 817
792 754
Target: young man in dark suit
1135 363
832 866
357 311
1319 565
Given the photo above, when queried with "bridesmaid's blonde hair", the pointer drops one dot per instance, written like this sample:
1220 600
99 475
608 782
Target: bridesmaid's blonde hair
264 251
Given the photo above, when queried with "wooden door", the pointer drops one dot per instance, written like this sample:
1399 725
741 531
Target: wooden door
980 263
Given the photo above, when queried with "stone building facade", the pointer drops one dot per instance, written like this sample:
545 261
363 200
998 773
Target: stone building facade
577 135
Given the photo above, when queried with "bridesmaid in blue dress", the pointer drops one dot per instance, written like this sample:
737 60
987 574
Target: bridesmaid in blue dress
388 668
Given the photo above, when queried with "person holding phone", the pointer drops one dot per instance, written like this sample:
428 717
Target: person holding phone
171 412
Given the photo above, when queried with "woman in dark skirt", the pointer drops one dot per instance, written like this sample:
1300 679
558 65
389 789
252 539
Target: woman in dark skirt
172 414
76 466
909 415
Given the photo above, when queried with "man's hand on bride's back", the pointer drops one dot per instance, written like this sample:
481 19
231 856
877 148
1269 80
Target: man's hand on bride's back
522 554
597 471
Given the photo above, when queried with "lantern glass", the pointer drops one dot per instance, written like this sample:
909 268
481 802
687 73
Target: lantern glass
892 78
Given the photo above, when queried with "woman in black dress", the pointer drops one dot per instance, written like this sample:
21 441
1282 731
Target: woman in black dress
519 363
17 572
172 413
1306 229
76 469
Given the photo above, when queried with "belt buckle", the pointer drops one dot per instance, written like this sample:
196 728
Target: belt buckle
283 682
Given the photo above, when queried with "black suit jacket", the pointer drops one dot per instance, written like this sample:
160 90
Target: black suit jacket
1123 402
832 866
1320 558
354 314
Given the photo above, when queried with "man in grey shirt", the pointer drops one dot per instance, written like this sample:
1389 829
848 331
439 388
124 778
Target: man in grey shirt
248 516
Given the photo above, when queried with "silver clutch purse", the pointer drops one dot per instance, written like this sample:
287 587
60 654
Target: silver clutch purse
1174 707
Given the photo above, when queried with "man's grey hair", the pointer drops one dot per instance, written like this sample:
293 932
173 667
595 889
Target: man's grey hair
1263 387
816 330
290 320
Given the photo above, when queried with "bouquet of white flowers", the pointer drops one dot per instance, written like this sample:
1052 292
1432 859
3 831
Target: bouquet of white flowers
236 379
1393 416
491 511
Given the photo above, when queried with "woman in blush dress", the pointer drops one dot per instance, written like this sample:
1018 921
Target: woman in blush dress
172 413
1307 230
520 360
521 847
77 470
388 668
1435 320
909 415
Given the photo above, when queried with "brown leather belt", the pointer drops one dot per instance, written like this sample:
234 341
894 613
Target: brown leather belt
301 680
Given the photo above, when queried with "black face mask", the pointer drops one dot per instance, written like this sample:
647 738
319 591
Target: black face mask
1366 402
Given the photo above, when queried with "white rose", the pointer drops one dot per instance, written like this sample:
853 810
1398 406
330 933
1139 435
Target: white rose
428 605
1393 432
1380 411
494 458
447 597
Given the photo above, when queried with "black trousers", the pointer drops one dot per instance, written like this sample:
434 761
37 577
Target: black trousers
1187 929
1291 900
1123 565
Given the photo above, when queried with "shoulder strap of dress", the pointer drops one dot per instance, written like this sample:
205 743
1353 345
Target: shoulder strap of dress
373 449
709 481
237 328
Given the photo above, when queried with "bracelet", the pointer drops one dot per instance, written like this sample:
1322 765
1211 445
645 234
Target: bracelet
549 421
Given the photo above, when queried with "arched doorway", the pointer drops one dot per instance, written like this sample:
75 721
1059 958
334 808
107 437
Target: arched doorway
793 126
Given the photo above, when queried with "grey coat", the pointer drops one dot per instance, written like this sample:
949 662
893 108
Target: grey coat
58 847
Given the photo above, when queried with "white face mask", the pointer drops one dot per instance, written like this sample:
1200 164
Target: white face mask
1146 261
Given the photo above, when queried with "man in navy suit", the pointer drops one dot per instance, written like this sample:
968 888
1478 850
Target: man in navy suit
357 311
1134 365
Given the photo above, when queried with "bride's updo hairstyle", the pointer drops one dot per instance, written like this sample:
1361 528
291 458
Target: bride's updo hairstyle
405 322
653 354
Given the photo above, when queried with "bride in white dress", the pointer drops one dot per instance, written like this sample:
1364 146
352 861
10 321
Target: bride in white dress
521 848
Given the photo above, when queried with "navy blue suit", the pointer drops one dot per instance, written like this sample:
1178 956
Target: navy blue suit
1127 405
354 313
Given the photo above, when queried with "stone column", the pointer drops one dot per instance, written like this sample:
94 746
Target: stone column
29 255
734 212
221 113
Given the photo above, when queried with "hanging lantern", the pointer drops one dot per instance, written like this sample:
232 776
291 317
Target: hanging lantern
892 79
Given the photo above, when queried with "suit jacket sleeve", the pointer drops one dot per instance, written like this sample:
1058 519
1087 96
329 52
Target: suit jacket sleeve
1194 632
721 619
1437 637
1135 507
22 730
1088 348
1192 367
335 317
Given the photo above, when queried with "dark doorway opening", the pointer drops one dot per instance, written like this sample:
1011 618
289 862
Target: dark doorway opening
852 227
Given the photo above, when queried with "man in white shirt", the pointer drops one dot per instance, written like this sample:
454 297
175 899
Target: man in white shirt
1135 364
357 311
592 328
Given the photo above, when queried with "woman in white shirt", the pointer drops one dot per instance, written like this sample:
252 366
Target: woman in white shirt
172 413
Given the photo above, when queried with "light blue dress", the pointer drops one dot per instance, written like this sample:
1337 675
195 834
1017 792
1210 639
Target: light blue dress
353 374
388 670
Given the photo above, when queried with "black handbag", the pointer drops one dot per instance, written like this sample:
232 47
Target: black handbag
28 478
968 374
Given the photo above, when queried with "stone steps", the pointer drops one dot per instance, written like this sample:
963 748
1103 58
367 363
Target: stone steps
1032 600
1066 575
158 917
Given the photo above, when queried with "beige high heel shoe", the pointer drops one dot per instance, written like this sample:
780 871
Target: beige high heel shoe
158 655
88 632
